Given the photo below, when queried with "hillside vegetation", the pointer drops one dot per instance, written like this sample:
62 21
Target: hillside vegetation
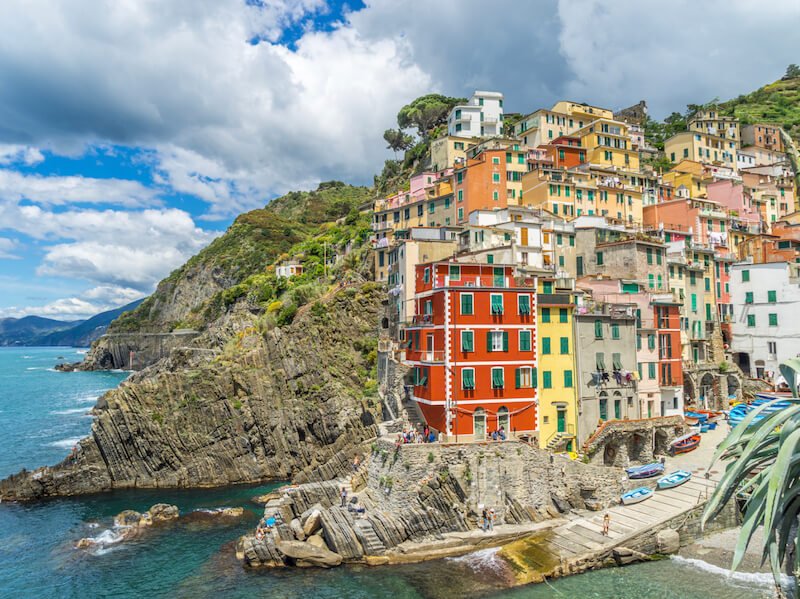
190 297
777 103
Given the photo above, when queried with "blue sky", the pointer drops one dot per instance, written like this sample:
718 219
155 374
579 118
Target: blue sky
132 133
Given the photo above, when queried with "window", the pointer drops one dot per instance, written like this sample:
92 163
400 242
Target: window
616 361
524 377
455 272
524 341
614 330
460 214
773 320
547 287
598 329
603 406
497 304
651 370
545 315
565 345
524 304
617 409
467 378
489 258
649 255
651 341
432 207
694 302
545 346
467 307
563 315
568 379
599 256
460 195
707 283
772 296
751 320
745 276
497 341
495 177
467 341
497 378
547 379
495 160
426 275
599 361
508 157
772 347
748 297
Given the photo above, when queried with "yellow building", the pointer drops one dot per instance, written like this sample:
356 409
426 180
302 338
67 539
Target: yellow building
701 147
564 118
446 150
558 403
714 123
607 143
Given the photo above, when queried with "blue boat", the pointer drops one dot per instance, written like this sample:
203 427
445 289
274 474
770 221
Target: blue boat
646 471
636 495
675 479
740 411
704 428
701 418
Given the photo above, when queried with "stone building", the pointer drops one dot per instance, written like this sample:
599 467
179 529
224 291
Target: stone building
605 348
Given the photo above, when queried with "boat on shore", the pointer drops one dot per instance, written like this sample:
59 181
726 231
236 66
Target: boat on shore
685 444
646 471
674 479
636 495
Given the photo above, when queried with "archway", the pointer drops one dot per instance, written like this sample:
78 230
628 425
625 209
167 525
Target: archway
706 399
636 447
689 391
733 385
503 419
610 455
661 442
479 424
742 360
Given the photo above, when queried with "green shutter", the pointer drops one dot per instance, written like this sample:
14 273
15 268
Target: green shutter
563 315
565 345
517 377
466 303
651 370
497 378
524 302
567 378
534 378
599 361
748 297
468 378
545 346
505 340
467 341
547 379
497 304
616 361
545 315
773 320
651 342
615 330
524 341
772 296
598 329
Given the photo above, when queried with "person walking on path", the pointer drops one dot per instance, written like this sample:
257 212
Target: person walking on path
606 524
491 519
484 520
344 497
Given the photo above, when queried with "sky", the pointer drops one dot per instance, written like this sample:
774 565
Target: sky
132 132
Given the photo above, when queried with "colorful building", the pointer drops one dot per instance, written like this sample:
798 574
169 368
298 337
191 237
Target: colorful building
481 116
472 350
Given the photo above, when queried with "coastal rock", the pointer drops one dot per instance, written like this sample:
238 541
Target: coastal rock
191 420
232 512
162 512
337 530
668 541
313 523
260 552
308 554
127 518
317 541
87 543
297 529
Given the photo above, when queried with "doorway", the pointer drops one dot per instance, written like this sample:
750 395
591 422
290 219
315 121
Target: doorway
479 424
503 420
561 420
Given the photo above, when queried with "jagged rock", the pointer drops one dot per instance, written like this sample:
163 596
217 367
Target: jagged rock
260 552
85 543
190 421
297 529
127 518
161 512
313 523
232 512
562 505
317 541
337 530
307 554
668 541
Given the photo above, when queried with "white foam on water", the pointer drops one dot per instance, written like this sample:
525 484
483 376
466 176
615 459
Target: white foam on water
754 578
87 399
36 368
70 411
65 443
105 542
483 560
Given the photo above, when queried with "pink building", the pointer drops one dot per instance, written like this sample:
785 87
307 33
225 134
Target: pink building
731 195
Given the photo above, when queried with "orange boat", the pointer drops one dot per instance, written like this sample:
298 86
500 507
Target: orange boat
685 444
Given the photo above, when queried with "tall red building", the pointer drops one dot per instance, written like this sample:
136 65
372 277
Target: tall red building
670 372
472 346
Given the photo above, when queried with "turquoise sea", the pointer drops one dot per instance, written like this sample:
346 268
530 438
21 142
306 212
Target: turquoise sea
43 413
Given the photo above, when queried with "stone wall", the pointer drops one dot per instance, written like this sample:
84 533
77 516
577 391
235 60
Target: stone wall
625 442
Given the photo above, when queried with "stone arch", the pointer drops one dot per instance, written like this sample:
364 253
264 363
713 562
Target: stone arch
707 389
661 441
689 389
637 447
610 454
503 419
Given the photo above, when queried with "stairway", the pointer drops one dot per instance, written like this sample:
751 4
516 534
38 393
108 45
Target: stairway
558 441
370 542
412 414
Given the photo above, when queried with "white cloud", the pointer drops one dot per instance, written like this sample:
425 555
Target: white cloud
7 249
14 153
55 190
87 304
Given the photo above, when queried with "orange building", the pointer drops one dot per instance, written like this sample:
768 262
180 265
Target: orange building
565 152
706 220
490 180
472 349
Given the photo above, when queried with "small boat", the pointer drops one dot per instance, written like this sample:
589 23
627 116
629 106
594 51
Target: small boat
636 495
685 444
712 426
697 415
675 479
704 428
712 416
646 471
691 421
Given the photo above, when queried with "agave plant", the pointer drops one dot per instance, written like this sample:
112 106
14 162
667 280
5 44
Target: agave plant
763 454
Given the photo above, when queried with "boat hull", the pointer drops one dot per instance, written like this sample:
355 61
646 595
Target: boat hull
676 479
636 496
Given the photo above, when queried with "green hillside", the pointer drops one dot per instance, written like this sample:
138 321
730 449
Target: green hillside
777 103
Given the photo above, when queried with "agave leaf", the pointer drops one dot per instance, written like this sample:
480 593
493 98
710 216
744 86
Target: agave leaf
784 469
790 369
740 430
752 519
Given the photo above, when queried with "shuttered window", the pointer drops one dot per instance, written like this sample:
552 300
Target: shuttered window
467 341
616 361
524 341
468 378
466 304
497 303
524 304
497 378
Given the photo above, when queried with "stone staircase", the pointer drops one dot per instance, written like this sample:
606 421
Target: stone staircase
559 441
368 538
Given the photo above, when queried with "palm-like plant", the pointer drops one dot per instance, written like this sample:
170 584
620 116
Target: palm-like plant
764 464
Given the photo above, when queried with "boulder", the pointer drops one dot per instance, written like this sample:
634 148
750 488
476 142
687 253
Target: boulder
232 512
317 541
162 512
297 529
127 518
305 554
668 541
313 523
85 543
259 552
562 505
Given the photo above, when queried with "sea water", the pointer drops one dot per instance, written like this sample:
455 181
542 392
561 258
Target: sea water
42 414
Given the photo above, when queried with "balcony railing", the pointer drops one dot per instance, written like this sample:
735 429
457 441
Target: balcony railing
422 320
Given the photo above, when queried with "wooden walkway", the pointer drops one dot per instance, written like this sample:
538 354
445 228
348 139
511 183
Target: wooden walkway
584 535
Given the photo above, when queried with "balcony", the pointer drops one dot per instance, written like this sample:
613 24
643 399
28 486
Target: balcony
421 320
554 299
433 356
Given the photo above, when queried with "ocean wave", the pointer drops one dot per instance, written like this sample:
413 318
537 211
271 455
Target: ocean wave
70 411
106 541
37 368
481 561
65 443
754 578
87 399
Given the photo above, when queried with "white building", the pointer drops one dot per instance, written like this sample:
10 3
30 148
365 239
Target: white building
482 116
288 269
766 302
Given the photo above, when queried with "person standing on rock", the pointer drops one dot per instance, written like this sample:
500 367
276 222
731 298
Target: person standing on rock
344 497
606 524
484 520
491 519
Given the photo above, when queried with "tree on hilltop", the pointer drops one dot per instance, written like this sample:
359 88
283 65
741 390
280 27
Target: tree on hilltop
397 141
426 112
792 71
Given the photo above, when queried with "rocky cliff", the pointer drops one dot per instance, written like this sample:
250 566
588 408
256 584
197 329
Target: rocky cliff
270 402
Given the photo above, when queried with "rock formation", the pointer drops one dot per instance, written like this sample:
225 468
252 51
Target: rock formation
276 404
